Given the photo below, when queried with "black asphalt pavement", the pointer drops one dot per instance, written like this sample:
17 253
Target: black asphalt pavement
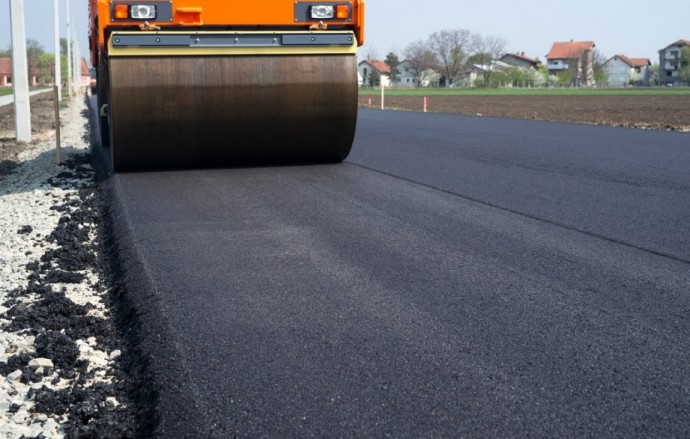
456 277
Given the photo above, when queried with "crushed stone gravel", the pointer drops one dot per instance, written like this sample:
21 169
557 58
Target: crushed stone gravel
63 361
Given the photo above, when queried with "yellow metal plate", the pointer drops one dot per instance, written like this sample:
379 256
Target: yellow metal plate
115 51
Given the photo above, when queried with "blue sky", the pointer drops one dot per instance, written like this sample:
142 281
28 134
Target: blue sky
39 22
636 28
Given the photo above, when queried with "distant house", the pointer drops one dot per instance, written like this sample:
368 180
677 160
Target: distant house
405 77
520 60
622 71
5 72
574 57
85 78
482 72
670 62
370 68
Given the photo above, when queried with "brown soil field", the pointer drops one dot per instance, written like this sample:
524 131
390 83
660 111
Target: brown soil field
659 112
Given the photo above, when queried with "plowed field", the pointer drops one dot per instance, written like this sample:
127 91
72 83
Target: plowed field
661 112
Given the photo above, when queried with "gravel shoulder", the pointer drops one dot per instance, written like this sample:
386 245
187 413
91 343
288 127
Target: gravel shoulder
62 359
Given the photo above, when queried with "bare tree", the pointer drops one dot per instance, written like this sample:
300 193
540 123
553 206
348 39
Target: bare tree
372 53
34 50
421 59
599 74
486 49
451 48
63 46
653 74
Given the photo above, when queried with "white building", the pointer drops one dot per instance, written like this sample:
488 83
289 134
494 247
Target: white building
670 61
623 71
406 76
372 68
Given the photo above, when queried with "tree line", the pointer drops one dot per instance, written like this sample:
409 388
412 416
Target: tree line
450 53
452 50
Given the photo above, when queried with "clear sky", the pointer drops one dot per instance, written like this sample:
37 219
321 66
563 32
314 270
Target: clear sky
39 23
636 28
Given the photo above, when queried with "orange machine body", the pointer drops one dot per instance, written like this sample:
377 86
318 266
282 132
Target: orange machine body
221 15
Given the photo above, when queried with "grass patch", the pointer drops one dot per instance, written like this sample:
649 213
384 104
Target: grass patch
5 91
646 91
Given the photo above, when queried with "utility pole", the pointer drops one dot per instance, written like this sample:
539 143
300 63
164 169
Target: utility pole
69 54
58 66
20 72
76 53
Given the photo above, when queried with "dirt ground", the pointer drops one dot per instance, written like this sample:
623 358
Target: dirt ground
660 112
42 123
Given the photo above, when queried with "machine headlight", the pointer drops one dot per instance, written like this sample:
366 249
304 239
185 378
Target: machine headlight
320 12
143 12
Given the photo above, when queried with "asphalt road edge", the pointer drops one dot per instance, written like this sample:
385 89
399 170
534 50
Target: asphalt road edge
159 394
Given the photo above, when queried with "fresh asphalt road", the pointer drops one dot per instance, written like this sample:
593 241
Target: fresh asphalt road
456 277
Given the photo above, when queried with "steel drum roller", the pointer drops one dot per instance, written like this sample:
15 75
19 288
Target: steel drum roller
201 111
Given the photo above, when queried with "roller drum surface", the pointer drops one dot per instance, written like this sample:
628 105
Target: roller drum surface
211 111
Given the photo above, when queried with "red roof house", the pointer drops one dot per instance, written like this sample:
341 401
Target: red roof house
5 72
574 57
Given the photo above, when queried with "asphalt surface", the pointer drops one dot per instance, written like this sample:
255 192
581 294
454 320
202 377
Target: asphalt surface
456 277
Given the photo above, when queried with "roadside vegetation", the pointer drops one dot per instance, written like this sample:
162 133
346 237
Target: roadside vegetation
460 58
41 64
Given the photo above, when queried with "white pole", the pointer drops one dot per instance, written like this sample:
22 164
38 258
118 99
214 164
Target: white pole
58 66
69 54
382 95
75 67
20 72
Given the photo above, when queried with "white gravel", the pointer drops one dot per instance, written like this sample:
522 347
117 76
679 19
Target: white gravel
26 198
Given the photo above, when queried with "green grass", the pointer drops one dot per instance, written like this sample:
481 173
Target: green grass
4 91
646 91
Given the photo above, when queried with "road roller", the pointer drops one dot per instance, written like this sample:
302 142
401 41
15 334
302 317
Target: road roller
215 83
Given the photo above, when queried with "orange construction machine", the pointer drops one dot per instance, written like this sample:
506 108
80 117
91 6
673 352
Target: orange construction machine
199 83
